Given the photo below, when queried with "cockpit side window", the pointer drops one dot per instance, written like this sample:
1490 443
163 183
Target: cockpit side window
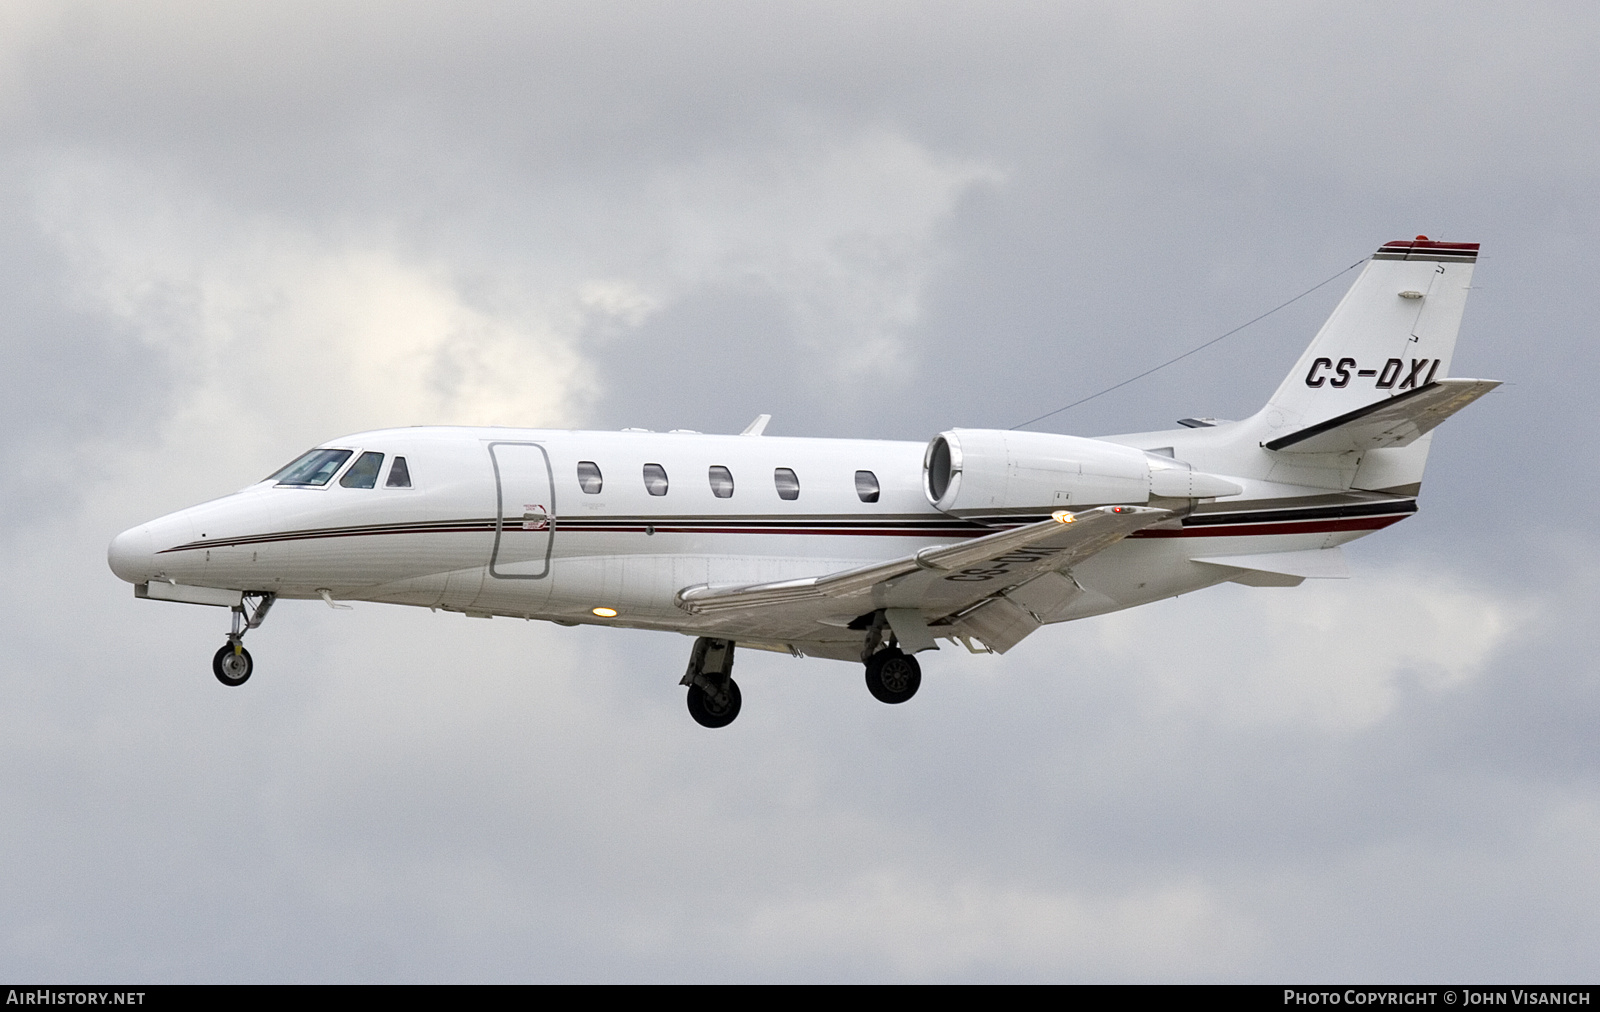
399 474
589 477
314 467
364 472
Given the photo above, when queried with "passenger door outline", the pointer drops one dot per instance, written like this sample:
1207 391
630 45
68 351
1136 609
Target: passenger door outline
533 488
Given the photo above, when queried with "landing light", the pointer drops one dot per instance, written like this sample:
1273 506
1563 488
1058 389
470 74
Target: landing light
1061 517
605 612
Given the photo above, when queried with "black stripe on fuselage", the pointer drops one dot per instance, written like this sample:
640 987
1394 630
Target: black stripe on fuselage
432 527
1374 509
895 526
1219 515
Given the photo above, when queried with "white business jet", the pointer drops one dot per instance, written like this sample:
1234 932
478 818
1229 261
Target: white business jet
859 550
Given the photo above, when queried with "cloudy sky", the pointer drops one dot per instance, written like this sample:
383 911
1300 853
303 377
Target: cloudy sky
233 231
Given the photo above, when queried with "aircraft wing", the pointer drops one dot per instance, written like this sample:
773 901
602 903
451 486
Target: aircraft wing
932 591
1397 421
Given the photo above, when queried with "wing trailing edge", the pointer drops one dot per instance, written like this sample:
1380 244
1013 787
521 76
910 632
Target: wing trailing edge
943 578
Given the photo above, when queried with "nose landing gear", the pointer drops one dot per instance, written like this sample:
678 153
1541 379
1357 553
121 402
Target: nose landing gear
713 694
232 664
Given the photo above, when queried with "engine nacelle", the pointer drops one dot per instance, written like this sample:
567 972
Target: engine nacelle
994 472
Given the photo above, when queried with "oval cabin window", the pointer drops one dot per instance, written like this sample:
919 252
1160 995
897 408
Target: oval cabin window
788 483
590 479
867 486
655 479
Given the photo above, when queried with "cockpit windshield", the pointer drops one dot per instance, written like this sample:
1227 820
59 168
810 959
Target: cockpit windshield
314 467
364 472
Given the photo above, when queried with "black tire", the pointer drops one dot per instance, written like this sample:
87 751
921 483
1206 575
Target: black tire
893 677
231 668
708 714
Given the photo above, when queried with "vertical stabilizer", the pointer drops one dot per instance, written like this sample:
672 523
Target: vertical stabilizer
1392 335
1394 331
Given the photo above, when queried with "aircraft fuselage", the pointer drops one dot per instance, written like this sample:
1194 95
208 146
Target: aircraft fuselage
498 522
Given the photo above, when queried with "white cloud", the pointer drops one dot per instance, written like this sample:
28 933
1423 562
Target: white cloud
1335 654
278 337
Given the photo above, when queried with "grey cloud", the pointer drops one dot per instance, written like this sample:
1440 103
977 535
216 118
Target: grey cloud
1083 193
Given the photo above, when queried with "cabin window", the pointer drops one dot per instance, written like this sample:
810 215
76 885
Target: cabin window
399 474
721 481
364 472
655 479
788 483
589 478
315 467
867 486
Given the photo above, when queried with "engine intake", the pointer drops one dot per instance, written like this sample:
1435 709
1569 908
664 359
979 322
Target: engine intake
992 472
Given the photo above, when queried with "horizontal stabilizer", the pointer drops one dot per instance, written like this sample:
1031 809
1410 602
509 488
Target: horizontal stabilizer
1397 421
1316 564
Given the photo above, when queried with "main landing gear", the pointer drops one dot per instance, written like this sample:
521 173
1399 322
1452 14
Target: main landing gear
232 664
893 676
713 694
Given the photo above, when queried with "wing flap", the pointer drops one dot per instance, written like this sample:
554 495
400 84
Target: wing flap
942 578
1398 421
999 622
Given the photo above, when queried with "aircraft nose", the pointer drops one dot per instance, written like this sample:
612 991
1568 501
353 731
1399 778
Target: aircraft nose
132 554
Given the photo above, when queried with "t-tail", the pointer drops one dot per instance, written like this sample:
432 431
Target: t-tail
1376 380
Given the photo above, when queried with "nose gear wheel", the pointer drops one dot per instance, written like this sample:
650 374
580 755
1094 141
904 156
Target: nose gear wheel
232 665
